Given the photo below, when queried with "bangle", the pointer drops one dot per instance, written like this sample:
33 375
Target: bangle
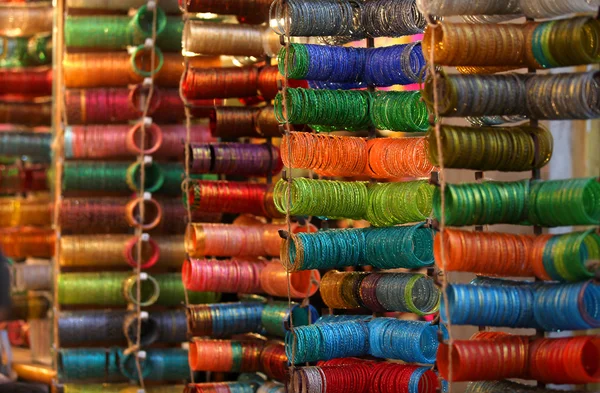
145 74
155 177
130 285
155 134
132 208
132 260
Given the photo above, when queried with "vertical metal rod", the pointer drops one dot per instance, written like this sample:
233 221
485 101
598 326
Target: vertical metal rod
57 160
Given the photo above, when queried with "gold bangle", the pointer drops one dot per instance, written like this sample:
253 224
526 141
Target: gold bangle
130 283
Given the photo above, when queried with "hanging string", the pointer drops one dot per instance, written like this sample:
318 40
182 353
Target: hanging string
240 159
493 148
535 45
330 155
379 292
238 122
395 111
231 197
537 96
552 258
519 202
495 355
397 64
246 276
107 289
530 8
404 247
120 141
494 303
378 203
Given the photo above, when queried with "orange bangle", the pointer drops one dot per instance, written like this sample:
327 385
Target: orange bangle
274 281
153 131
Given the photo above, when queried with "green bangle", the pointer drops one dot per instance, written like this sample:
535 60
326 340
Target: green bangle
141 72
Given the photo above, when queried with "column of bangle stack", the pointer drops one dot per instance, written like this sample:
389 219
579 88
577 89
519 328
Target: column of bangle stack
26 236
364 138
243 333
499 92
122 319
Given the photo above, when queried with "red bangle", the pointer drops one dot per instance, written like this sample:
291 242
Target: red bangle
132 260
